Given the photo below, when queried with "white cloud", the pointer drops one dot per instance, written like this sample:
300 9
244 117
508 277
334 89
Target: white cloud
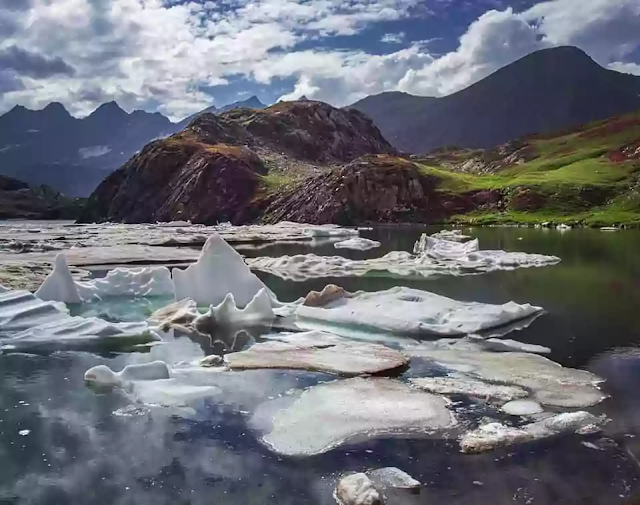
626 68
160 54
393 38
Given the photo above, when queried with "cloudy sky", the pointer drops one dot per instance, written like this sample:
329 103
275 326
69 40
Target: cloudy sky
180 56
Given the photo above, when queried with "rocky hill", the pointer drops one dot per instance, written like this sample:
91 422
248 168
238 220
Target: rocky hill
18 200
546 91
223 168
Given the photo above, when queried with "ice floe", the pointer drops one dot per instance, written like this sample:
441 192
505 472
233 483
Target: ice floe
351 410
392 477
551 384
493 435
28 323
522 408
132 282
459 384
432 256
219 271
358 244
103 376
318 351
406 311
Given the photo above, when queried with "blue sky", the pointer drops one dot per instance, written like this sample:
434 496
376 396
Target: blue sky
180 56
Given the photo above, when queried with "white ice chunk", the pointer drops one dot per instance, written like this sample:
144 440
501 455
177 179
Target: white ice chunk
508 345
392 477
59 285
227 313
470 387
134 282
29 323
451 235
318 351
445 249
522 408
103 376
552 384
408 311
350 410
494 435
220 270
357 243
357 489
329 230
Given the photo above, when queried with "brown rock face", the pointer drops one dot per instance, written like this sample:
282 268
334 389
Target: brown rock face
211 171
172 180
375 188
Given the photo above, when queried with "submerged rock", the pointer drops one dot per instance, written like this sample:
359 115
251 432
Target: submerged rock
357 489
408 311
321 352
351 410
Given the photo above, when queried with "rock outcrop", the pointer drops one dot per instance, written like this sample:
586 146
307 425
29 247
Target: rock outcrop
213 170
374 188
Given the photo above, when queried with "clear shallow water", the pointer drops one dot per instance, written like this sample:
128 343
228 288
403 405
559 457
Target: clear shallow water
79 451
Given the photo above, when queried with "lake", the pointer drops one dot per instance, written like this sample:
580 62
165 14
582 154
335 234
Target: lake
62 443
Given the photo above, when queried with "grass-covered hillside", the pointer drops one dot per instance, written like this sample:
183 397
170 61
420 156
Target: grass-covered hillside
589 176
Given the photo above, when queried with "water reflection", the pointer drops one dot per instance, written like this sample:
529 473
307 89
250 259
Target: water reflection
78 452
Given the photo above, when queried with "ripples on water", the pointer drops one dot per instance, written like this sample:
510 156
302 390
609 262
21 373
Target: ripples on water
61 443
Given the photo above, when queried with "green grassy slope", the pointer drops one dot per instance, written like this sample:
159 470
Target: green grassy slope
590 176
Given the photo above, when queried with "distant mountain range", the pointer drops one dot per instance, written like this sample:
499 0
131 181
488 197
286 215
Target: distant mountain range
51 147
544 92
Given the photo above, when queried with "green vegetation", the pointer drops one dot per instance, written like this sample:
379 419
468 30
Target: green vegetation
276 183
590 176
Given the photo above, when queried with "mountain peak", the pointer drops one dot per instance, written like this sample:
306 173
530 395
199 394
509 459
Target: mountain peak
56 108
108 108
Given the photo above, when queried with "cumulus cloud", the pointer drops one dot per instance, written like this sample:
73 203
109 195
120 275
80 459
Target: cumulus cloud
164 54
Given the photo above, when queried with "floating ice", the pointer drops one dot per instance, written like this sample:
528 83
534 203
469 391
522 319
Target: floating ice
552 384
318 351
522 408
184 314
351 410
329 230
357 489
393 477
408 311
494 435
227 313
563 227
508 345
357 243
220 270
29 323
470 387
134 282
433 256
451 235
103 376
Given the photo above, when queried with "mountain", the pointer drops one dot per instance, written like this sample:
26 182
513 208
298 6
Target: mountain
73 155
250 103
227 167
51 147
546 91
19 200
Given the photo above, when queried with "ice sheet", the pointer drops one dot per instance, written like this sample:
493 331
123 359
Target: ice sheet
350 410
410 312
471 387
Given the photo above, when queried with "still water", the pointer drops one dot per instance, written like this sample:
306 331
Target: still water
61 443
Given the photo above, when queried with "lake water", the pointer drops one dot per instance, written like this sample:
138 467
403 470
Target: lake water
61 443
